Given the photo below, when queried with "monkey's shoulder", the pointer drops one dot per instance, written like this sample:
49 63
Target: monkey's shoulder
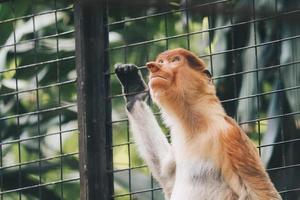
242 166
233 137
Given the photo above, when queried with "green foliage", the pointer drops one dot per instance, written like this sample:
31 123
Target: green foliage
204 30
38 74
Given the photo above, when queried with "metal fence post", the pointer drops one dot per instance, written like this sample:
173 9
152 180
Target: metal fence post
94 108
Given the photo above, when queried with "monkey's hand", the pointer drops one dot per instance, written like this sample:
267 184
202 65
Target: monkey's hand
134 87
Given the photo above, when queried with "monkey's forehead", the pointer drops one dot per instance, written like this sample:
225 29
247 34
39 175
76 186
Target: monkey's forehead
170 53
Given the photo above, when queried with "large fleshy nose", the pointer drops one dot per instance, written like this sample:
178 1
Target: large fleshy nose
153 66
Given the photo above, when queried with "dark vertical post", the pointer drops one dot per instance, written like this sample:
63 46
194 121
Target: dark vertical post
94 108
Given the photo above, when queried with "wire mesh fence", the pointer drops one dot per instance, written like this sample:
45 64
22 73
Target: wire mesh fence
250 46
38 131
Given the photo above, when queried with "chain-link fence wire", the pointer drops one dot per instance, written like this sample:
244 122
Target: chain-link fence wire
252 50
38 119
250 46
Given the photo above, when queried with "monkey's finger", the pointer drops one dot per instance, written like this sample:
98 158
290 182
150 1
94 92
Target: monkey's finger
125 68
127 74
118 67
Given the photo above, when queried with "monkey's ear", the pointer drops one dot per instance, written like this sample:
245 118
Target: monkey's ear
195 62
207 73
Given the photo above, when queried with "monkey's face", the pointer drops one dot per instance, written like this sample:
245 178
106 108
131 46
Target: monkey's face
176 72
163 72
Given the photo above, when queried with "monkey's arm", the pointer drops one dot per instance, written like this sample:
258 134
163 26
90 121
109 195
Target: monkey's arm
152 143
242 167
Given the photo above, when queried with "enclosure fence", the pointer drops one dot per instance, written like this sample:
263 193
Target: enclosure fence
50 90
38 119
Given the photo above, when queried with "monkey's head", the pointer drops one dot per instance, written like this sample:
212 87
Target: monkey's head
178 74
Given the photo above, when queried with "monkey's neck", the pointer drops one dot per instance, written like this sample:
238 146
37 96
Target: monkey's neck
194 116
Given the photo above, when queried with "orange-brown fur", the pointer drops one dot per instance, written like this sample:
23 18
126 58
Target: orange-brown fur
242 160
187 94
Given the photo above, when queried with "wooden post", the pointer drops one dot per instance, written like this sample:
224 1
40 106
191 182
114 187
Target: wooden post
94 108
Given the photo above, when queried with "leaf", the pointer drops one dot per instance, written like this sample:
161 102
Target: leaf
12 178
251 84
139 182
221 45
273 128
247 108
291 74
40 21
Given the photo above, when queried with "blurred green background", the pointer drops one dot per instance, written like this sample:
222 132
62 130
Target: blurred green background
250 46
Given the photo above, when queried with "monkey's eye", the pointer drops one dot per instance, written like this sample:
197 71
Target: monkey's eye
160 61
175 59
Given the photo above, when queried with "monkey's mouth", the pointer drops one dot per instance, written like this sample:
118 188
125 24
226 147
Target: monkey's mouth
157 77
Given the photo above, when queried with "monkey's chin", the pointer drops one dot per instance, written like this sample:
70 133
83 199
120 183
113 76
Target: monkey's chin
158 88
158 83
156 96
157 93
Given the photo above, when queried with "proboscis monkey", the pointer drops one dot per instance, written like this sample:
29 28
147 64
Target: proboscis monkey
210 157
